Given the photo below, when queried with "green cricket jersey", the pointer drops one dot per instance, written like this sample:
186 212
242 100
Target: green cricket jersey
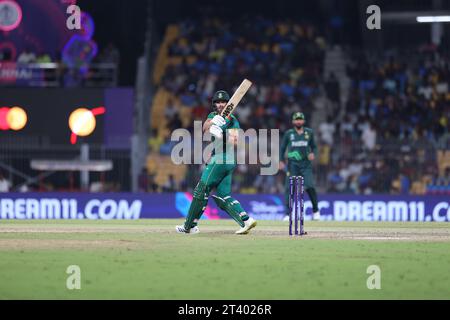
298 145
232 123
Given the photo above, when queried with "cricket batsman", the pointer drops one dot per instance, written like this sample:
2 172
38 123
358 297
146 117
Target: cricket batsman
217 174
302 150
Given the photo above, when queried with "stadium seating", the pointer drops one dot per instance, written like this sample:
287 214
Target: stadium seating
163 167
386 112
264 44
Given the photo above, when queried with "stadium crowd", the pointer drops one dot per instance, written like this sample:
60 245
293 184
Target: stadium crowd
395 119
396 122
284 60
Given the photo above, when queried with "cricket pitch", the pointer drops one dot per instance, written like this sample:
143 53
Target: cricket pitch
146 259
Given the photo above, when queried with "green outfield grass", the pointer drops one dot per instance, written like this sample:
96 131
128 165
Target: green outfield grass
146 259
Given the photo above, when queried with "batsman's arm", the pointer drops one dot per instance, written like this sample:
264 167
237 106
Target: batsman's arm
206 125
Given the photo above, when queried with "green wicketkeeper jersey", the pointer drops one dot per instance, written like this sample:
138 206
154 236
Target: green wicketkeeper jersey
232 123
298 145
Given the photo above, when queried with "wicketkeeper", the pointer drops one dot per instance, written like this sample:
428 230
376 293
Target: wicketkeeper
218 174
301 151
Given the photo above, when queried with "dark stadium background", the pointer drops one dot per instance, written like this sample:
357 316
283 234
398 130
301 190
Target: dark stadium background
411 150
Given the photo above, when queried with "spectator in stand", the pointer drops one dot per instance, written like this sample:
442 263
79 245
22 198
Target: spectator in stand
26 57
324 161
336 182
405 183
327 131
97 186
24 188
170 111
170 185
155 141
369 137
43 58
5 184
444 180
440 183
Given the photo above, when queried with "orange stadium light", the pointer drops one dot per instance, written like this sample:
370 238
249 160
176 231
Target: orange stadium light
82 122
16 118
12 118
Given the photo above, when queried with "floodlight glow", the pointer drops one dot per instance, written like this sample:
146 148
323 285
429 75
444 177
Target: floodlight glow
431 19
82 122
12 118
17 118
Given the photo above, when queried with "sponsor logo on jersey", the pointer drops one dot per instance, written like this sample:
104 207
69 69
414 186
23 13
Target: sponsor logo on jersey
300 143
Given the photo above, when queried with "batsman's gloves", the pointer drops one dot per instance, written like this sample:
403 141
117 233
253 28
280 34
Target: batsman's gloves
216 131
218 120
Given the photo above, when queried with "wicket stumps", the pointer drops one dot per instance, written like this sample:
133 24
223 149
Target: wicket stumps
296 204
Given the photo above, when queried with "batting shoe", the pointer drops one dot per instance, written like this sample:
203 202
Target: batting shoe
249 224
316 216
181 229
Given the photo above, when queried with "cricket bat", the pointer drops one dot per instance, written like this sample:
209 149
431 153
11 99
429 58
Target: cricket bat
236 98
